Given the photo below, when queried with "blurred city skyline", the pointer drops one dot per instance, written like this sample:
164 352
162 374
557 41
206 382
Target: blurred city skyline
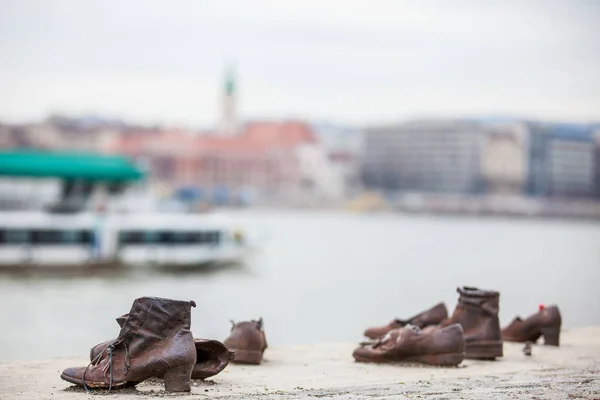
350 62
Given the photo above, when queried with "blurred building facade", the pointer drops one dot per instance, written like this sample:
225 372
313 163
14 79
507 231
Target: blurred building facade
563 161
295 162
274 160
344 147
424 156
597 163
58 132
474 157
504 160
283 162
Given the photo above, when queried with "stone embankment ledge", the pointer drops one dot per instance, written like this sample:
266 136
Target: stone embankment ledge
328 371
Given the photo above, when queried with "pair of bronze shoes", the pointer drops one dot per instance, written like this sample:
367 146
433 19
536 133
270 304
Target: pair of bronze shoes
415 340
472 331
432 338
155 341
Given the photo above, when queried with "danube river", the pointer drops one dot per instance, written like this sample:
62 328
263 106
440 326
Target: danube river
322 276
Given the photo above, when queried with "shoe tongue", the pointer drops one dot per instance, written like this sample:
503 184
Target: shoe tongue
407 329
390 336
411 330
406 332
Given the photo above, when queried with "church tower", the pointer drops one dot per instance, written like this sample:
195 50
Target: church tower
229 124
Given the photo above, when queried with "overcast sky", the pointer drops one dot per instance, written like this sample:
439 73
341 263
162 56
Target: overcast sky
345 61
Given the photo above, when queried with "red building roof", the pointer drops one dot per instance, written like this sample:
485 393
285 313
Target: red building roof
256 137
287 133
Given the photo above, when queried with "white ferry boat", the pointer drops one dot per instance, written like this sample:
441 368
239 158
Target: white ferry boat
177 240
133 232
87 240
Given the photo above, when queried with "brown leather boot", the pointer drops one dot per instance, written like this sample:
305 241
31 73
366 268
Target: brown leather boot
433 316
212 356
477 312
247 339
545 323
442 346
155 340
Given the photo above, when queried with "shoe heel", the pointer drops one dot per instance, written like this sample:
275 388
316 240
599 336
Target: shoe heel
551 336
484 350
177 379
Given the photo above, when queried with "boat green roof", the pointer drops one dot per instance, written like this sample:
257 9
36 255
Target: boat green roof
85 166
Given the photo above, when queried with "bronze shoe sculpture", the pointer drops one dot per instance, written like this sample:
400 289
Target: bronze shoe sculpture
247 339
477 312
544 323
433 316
442 346
212 356
155 340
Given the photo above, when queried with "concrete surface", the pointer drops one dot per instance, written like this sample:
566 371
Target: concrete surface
328 371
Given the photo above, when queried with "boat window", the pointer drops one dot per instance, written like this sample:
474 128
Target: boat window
180 237
124 237
44 237
14 236
60 237
131 237
86 237
151 238
208 237
70 237
177 237
213 237
141 237
169 237
195 237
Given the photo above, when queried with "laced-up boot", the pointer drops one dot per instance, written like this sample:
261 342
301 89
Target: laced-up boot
155 340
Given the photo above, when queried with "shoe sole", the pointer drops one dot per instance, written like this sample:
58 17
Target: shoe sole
446 359
97 385
438 359
483 350
247 356
176 379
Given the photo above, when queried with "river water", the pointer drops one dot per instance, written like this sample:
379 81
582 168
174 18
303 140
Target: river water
323 276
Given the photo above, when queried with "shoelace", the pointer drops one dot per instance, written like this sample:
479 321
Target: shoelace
378 342
375 343
109 364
